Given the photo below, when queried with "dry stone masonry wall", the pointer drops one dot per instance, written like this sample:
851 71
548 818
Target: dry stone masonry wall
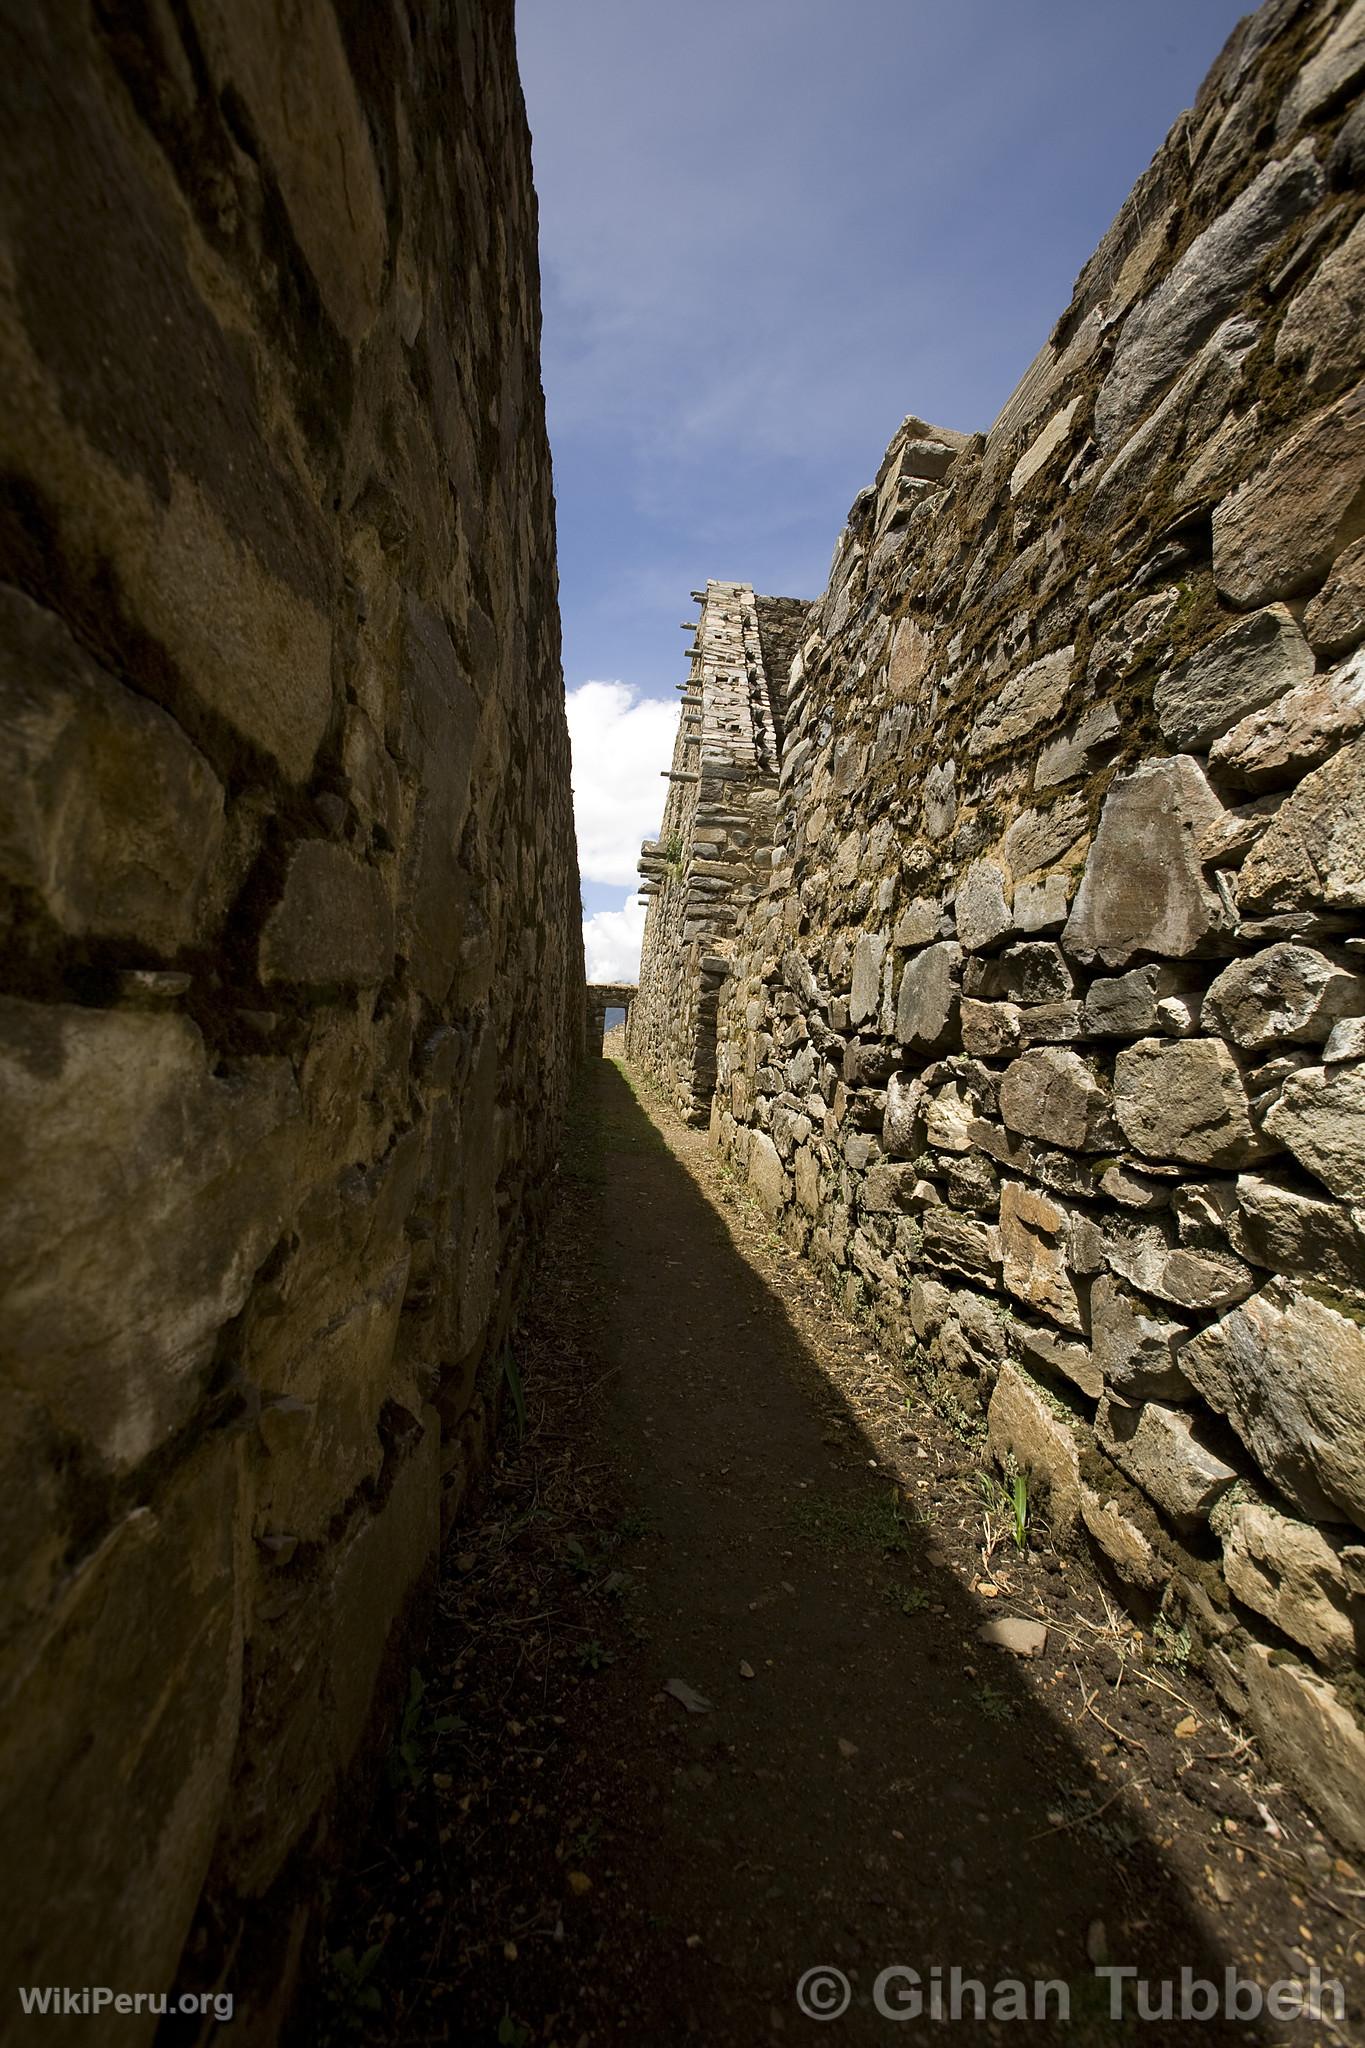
292 969
1046 1038
716 839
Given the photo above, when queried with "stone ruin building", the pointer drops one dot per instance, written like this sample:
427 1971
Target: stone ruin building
1005 925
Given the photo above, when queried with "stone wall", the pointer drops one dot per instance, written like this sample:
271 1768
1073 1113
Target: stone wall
293 968
1047 1040
699 875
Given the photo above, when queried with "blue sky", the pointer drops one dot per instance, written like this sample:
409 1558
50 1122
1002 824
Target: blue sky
769 229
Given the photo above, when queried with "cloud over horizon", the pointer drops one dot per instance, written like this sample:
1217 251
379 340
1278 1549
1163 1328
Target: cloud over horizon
621 742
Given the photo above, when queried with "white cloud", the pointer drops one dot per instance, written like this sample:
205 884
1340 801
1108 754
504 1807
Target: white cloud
611 943
621 743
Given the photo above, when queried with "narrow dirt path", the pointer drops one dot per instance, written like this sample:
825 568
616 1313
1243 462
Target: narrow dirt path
720 1483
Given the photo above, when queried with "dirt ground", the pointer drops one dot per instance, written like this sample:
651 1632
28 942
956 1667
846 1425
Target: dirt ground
720 1483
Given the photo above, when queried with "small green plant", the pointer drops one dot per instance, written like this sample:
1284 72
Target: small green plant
512 1374
512 2033
1170 1645
994 1704
593 1656
350 1992
418 1732
631 1527
579 1562
907 1599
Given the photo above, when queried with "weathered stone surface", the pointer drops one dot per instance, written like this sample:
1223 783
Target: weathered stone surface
1158 1449
1030 698
333 925
961 1244
1248 665
1313 850
903 1119
1143 890
1288 1571
867 977
983 914
1295 1233
140 1195
107 813
1335 620
1032 971
1330 72
1122 1541
939 800
989 1029
1034 1241
1279 533
1126 1005
1312 1736
1324 329
1043 1351
1275 746
767 1176
1039 837
1134 1351
1283 993
1043 447
926 1004
1184 1099
1320 1117
1289 1374
1204 286
1029 1431
1054 1094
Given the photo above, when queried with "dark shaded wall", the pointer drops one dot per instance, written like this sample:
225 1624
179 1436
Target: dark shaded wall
292 964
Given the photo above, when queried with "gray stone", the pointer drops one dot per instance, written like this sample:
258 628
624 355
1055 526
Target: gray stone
1313 850
939 799
1035 1244
1346 1041
1248 665
1289 1374
107 813
1134 1351
1031 697
926 1005
1184 1099
1053 1094
766 1175
1187 1277
1028 1432
903 1118
1335 620
333 925
1291 1573
1285 992
1324 329
918 923
1043 447
1277 745
1320 1117
1279 533
1310 1734
961 1244
1203 287
1143 890
886 1190
1038 838
141 1193
1045 1351
989 1029
1043 906
1122 1541
867 977
1157 1448
1031 971
982 911
1013 1633
1125 1005
1329 73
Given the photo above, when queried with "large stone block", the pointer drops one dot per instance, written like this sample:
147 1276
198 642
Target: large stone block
142 1193
1279 533
1320 1116
1135 1350
1313 850
1291 1232
110 1812
1033 696
1184 1099
1035 1243
1160 1451
1054 1094
766 1175
927 1001
1285 993
107 812
1291 1573
1202 288
1248 665
1032 1433
1324 329
1311 1735
333 925
1143 890
1274 746
1289 1373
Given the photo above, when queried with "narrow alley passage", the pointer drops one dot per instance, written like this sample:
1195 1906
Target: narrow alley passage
717 1483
